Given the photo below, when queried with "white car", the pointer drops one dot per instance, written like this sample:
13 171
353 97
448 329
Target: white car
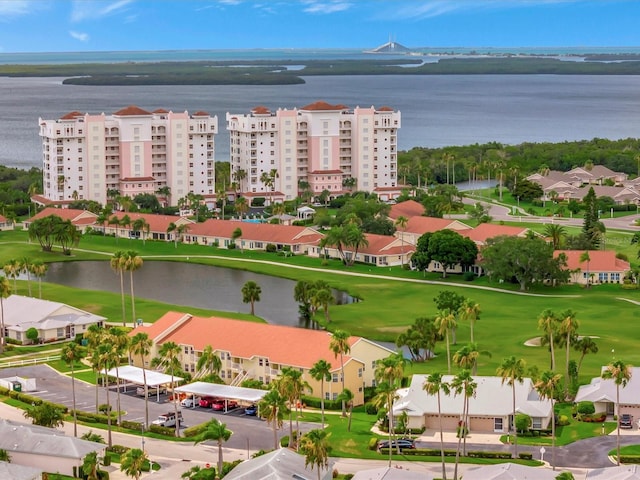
190 402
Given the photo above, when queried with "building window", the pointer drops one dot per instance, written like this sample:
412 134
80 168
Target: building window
334 378
497 424
60 332
536 423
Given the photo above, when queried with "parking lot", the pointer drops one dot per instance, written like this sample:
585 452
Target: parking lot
249 432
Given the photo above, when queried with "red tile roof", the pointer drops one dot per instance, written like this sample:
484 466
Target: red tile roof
323 106
157 223
408 209
380 245
131 110
3 219
161 110
282 345
260 110
65 214
385 109
201 113
421 225
600 261
72 115
261 232
485 231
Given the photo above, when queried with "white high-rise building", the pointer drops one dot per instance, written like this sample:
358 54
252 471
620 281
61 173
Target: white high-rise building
321 147
129 152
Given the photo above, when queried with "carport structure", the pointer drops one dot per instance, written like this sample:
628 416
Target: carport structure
226 392
135 375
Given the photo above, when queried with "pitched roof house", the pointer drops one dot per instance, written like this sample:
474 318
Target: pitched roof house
603 266
44 448
260 351
388 473
282 464
510 471
623 472
485 231
418 226
53 320
603 394
489 411
381 251
19 472
407 209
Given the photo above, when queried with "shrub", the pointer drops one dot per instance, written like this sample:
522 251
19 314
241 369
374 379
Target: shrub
271 248
370 408
523 422
231 246
468 276
315 402
105 408
373 443
284 441
258 202
586 408
629 458
166 431
119 449
563 420
525 456
137 426
195 430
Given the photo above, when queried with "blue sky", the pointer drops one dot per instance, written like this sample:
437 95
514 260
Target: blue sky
102 25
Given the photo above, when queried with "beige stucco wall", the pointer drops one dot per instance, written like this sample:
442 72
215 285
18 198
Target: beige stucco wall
368 353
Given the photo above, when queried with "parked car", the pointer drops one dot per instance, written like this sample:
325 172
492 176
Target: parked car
168 419
150 391
190 402
251 410
626 421
206 402
403 443
219 405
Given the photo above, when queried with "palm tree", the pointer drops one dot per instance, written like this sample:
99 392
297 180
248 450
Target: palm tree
117 263
467 357
215 430
132 463
292 387
568 327
94 336
585 345
548 323
12 270
463 384
323 297
251 294
433 385
346 396
209 363
235 235
115 222
547 387
5 290
339 345
241 206
141 225
512 370
71 353
390 370
141 345
125 222
106 358
169 360
445 322
25 267
556 233
401 222
316 449
120 342
584 257
272 408
321 372
90 466
620 373
39 270
470 310
132 262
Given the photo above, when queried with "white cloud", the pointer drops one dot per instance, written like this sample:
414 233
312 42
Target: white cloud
16 8
95 9
325 7
83 37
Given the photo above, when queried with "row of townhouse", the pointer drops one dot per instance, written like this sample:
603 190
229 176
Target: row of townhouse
134 151
260 351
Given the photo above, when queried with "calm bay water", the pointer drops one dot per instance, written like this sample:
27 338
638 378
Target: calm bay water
436 110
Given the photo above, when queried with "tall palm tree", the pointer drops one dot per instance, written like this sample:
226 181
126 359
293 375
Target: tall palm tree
71 353
241 206
5 290
467 357
292 387
215 430
346 396
251 294
12 270
463 384
132 262
169 360
585 257
322 298
117 263
620 373
272 408
94 336
316 449
90 466
132 463
433 385
25 267
401 222
106 358
547 386
585 345
512 370
568 327
556 233
321 372
549 324
390 370
141 345
339 345
141 225
446 321
470 310
120 341
39 270
209 363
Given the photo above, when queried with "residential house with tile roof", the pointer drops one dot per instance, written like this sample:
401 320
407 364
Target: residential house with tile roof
4 223
259 351
407 209
53 320
485 231
603 266
44 448
490 410
381 251
602 392
323 145
281 464
418 226
84 156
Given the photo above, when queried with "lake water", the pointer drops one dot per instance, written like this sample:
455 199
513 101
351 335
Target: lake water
436 110
191 284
